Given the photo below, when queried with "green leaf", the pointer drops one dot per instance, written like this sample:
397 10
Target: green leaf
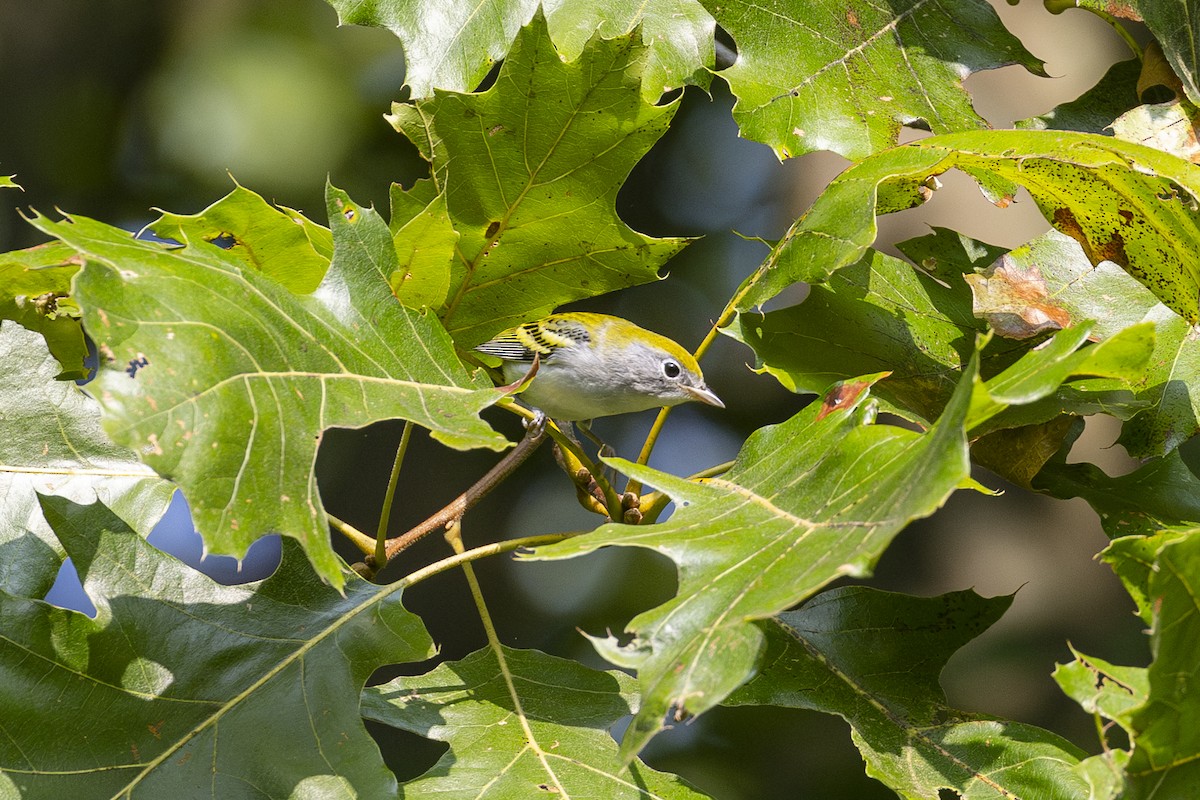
846 77
1164 412
874 316
1094 110
1166 752
1163 493
53 445
1134 560
6 182
280 243
181 683
223 380
35 291
807 501
874 658
531 181
1164 126
536 725
1103 688
1123 202
425 240
881 314
454 46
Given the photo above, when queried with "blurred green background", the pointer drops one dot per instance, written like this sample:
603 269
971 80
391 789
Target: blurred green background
115 107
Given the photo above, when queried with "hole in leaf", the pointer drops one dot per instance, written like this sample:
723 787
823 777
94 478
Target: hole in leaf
225 241
948 794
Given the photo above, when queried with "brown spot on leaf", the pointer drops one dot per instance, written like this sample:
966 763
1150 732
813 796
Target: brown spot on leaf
492 228
841 396
1014 300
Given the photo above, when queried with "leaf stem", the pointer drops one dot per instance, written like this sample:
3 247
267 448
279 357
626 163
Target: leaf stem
386 512
454 537
534 436
357 538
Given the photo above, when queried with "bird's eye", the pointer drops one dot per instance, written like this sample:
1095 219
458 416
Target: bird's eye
671 369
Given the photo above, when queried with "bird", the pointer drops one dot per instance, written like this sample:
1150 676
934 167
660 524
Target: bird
597 365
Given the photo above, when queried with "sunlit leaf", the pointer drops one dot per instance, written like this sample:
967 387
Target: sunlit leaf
6 182
531 182
35 291
223 380
181 683
1103 688
874 658
847 77
53 445
452 46
537 726
1123 202
280 243
425 240
807 501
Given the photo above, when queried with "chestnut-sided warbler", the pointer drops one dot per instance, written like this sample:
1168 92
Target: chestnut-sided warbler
595 365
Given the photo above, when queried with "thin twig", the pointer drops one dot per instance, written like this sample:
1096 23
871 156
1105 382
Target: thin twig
386 512
357 538
534 436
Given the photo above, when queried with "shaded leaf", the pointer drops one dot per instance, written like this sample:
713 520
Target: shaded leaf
53 445
1172 22
222 380
545 152
453 47
809 500
882 315
1094 110
845 78
1123 202
874 316
874 659
281 243
539 725
35 291
1163 493
181 683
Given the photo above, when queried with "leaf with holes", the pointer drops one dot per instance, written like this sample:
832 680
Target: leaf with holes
53 445
536 725
35 291
222 380
530 184
454 46
807 501
180 682
281 243
1123 202
874 659
846 76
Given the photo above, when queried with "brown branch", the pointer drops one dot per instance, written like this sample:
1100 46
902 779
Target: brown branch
454 510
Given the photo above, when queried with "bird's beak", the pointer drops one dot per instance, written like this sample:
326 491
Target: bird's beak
704 395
